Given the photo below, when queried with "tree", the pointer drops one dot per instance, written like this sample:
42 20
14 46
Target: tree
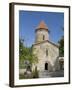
26 54
61 44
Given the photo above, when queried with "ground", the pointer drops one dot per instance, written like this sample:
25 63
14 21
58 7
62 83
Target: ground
46 74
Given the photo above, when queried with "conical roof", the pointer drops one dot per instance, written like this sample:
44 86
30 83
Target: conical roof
42 25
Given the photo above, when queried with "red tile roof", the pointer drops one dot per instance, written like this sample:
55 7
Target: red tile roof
42 25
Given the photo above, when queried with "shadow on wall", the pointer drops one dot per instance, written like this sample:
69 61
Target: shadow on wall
50 67
56 65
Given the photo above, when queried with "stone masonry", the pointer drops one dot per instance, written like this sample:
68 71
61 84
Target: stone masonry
46 51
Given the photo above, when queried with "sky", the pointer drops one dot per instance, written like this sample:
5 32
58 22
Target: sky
29 20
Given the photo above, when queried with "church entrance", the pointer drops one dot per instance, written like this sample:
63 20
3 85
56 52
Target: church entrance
46 66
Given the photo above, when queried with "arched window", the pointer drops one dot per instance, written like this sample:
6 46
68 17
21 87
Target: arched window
43 37
46 52
46 66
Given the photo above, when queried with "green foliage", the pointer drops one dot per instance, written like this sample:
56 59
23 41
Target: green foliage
35 73
61 44
22 76
61 47
25 53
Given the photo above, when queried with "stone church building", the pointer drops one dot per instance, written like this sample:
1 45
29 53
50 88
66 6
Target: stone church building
46 51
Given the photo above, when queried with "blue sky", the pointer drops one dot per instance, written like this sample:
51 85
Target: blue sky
29 20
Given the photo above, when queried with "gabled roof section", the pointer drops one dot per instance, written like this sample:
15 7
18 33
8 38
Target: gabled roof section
47 41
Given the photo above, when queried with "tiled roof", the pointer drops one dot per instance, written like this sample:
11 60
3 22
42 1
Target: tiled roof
42 25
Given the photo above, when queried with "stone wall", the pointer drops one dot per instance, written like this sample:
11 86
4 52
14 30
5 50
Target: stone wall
39 36
52 59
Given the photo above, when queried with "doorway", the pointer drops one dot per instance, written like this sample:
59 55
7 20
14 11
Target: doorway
46 66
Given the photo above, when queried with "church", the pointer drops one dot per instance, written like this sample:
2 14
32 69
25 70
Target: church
46 51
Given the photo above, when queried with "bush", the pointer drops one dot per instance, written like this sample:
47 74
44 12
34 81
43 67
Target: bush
35 73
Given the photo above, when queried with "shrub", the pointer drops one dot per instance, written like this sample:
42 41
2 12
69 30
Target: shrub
35 73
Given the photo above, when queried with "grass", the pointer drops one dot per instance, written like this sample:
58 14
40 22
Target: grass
21 76
34 74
